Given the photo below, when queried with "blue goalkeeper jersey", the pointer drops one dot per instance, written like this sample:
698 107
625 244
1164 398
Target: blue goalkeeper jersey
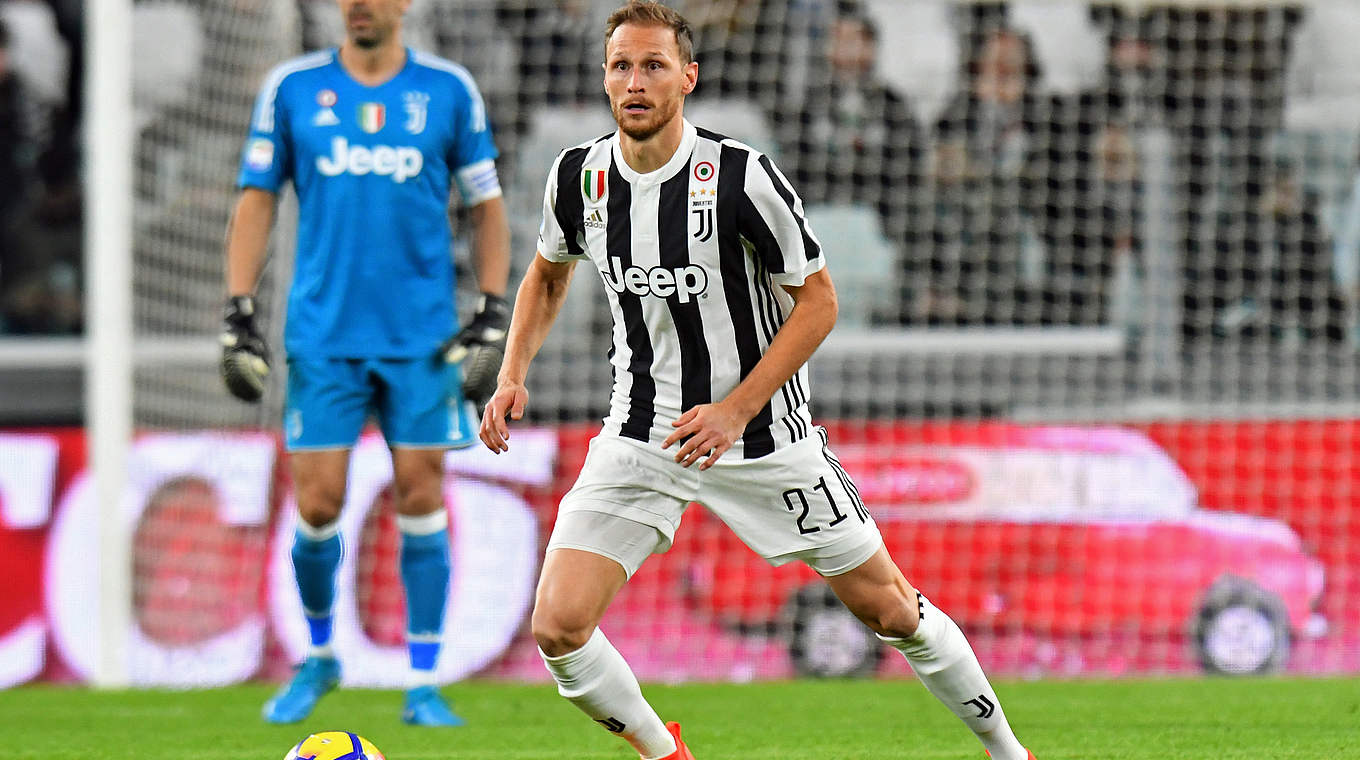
373 168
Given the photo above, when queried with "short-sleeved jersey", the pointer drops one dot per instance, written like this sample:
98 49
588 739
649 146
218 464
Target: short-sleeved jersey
692 256
373 168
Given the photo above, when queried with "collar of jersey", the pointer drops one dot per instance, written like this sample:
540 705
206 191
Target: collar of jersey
410 61
678 161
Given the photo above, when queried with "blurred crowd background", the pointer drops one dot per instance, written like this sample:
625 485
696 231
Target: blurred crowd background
992 163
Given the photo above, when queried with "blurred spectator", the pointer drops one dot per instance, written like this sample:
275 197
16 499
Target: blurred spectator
1133 89
15 138
560 50
980 232
1087 194
1223 94
854 139
1288 268
1090 218
743 48
559 60
39 275
59 161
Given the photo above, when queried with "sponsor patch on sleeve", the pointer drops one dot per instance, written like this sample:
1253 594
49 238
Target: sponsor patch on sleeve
259 155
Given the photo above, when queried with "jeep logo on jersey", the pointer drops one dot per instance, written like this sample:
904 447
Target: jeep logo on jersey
400 163
682 282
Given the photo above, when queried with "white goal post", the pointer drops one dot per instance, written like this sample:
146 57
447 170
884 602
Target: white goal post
108 360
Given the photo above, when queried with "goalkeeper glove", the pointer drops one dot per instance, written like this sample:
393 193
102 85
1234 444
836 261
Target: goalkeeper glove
480 347
245 358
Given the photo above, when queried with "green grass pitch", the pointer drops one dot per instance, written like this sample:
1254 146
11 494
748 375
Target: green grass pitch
1253 719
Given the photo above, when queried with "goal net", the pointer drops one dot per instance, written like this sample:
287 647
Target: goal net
1095 373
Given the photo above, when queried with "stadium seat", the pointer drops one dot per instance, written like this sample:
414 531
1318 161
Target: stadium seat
162 74
737 118
1322 81
862 262
918 52
1071 51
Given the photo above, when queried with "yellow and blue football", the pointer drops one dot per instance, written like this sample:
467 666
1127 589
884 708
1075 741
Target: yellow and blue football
334 745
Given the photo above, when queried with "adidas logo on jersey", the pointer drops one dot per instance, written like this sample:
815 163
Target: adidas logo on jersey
400 163
595 221
683 282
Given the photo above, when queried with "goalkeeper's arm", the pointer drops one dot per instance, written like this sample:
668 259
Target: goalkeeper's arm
480 346
245 357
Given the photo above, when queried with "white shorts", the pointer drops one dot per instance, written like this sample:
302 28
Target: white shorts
796 503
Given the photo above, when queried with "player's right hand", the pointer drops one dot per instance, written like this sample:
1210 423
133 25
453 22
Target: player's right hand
245 357
509 400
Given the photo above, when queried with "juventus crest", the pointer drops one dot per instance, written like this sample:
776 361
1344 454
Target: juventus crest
702 202
417 105
701 207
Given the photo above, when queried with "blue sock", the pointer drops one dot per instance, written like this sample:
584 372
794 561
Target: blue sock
316 555
425 576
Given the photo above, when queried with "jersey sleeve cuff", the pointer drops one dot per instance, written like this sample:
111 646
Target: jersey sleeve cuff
800 276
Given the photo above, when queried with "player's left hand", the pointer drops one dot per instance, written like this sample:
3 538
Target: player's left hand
480 347
705 430
245 357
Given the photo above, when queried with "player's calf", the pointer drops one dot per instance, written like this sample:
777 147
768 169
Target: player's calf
878 594
941 657
596 679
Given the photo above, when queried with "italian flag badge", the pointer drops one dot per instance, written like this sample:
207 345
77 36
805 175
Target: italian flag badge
592 184
372 117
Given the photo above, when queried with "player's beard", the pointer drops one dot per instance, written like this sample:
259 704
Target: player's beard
374 36
659 116
371 39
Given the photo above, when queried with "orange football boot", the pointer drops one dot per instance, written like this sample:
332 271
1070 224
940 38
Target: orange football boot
681 751
1031 754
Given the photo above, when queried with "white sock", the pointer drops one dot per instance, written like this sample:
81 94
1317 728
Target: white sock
596 679
324 651
942 659
417 677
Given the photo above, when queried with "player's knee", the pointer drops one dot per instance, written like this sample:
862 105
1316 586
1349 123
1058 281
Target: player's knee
319 504
560 631
418 491
901 622
893 616
419 501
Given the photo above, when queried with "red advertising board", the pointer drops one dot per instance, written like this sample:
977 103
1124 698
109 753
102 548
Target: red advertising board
1159 548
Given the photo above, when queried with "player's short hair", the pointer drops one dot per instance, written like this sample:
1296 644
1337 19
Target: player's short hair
653 13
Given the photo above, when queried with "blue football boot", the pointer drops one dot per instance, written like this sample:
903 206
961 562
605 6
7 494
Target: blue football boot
425 706
314 677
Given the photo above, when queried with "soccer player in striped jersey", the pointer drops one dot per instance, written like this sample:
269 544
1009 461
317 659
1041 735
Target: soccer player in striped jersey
373 135
720 296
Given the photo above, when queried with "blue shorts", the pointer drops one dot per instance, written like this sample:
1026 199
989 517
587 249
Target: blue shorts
418 403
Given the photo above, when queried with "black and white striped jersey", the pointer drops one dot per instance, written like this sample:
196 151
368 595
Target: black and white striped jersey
692 256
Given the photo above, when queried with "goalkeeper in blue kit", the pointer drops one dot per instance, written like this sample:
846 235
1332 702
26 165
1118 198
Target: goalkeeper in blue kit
373 135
